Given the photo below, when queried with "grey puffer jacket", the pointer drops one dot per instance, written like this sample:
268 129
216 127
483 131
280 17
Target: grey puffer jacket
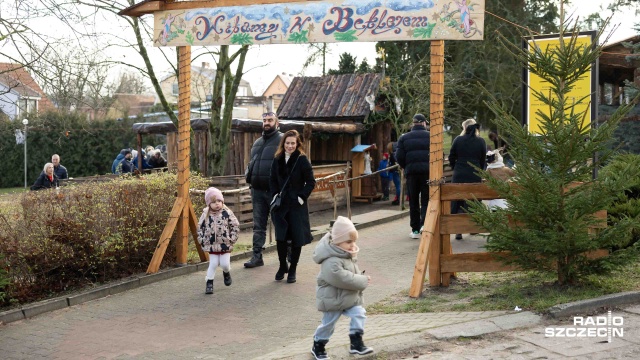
262 160
340 282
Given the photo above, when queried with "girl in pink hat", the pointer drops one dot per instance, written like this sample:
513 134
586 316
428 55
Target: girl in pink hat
218 230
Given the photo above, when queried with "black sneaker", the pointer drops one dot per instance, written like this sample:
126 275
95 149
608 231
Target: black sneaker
318 350
209 289
227 278
255 261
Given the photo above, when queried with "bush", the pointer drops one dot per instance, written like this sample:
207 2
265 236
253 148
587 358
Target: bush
85 234
628 203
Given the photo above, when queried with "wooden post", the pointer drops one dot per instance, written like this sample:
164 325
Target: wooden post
139 143
182 215
335 198
401 200
306 135
346 188
430 240
184 128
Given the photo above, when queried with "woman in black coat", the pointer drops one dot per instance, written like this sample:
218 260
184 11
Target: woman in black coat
468 150
291 219
47 179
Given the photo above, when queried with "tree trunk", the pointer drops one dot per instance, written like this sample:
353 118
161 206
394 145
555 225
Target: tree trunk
220 125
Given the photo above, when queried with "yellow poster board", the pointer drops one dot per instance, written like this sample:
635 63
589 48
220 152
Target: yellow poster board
584 87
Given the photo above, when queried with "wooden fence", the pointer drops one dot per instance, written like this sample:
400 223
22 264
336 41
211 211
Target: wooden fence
442 263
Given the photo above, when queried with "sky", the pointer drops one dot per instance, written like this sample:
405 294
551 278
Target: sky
264 62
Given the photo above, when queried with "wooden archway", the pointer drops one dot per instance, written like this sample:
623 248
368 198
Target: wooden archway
429 24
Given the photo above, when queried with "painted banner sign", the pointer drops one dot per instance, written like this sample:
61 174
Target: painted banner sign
322 21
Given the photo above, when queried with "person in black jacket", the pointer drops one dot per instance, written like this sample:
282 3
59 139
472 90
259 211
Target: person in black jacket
292 178
257 174
58 169
395 173
47 179
468 151
413 156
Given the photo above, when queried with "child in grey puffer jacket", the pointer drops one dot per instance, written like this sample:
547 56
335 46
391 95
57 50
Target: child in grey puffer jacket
339 288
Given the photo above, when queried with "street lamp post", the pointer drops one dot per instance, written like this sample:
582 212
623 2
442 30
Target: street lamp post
25 122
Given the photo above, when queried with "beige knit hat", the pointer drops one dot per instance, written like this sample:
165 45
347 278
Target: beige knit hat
212 194
343 230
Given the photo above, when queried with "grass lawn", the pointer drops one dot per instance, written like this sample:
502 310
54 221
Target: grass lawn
506 290
14 190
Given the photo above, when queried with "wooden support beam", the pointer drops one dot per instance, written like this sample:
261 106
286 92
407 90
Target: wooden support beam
430 240
165 237
478 191
425 249
184 147
193 226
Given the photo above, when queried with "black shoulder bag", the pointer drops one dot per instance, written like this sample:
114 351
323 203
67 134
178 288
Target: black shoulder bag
277 200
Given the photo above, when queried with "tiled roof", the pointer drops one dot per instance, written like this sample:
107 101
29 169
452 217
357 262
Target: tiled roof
19 80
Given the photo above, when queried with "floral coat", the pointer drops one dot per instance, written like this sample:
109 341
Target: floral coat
217 232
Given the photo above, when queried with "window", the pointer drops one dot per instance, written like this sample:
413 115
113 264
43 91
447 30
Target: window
175 89
28 105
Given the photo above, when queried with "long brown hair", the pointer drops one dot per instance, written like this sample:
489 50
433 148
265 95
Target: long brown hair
290 133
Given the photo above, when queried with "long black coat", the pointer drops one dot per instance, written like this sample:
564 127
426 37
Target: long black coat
291 220
467 150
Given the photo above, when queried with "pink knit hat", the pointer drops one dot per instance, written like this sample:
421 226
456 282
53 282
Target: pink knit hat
212 194
343 230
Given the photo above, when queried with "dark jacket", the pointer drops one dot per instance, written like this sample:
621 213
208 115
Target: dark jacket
392 158
291 220
43 182
117 161
413 151
262 158
125 167
467 150
157 162
145 164
61 172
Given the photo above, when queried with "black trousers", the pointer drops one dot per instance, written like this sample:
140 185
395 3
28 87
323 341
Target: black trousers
418 188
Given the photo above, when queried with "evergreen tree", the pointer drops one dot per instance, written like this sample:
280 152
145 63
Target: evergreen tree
553 197
346 65
364 67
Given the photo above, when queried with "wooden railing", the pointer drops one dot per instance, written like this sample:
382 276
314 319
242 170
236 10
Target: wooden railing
442 262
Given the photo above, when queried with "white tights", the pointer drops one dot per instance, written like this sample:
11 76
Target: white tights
224 260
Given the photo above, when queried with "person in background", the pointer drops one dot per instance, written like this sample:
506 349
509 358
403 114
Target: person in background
125 166
145 164
395 172
257 174
47 179
117 160
468 151
148 151
156 160
413 157
58 169
218 230
384 176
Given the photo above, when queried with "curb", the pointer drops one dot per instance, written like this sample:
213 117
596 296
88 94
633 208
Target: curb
576 307
30 310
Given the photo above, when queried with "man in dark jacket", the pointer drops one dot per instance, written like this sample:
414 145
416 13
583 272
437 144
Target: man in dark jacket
413 156
125 166
258 170
58 169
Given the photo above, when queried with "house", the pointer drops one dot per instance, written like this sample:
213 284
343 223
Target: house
615 66
130 105
275 91
202 78
20 95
